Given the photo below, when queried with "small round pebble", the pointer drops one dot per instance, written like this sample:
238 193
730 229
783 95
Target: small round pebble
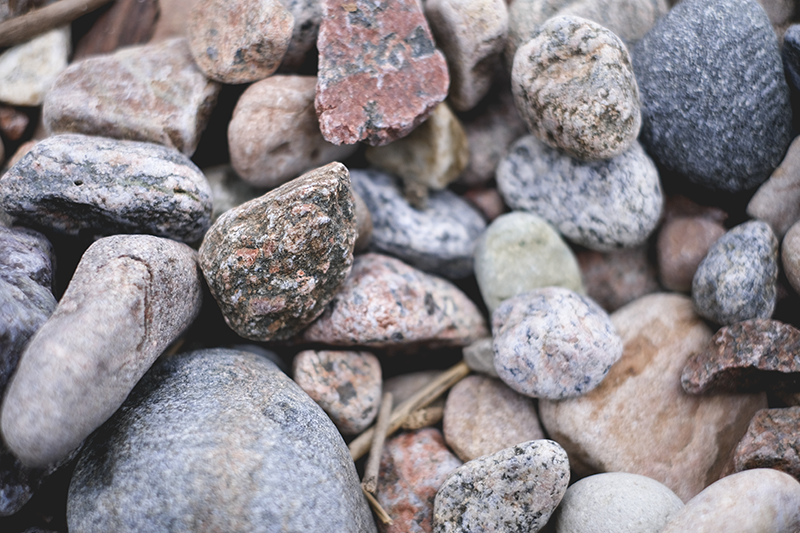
619 277
479 357
683 242
790 256
573 84
737 280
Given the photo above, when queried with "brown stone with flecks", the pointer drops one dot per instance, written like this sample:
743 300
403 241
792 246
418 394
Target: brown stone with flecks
756 354
13 123
380 74
683 242
771 441
275 262
613 279
126 23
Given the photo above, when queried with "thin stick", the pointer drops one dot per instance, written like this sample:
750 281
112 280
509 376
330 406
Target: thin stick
370 482
383 516
427 416
25 27
360 445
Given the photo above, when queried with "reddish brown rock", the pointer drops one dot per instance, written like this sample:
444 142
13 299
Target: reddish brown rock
413 467
13 123
753 355
488 201
612 279
380 74
385 302
127 22
771 441
683 242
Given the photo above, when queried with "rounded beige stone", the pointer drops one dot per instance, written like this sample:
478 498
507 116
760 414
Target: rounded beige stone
790 255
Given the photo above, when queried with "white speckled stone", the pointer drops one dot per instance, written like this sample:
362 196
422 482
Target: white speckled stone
29 69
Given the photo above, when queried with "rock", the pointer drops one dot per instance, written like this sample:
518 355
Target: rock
777 201
617 501
748 356
488 201
228 190
755 500
385 302
307 18
241 41
639 420
2 152
738 277
725 132
26 253
9 9
770 442
380 75
479 356
439 239
364 224
483 416
552 343
222 439
790 54
790 256
616 278
152 93
431 157
172 19
23 149
29 69
274 133
13 123
18 483
472 35
125 23
94 185
413 467
515 489
405 386
573 85
347 385
275 262
683 242
602 205
130 297
520 252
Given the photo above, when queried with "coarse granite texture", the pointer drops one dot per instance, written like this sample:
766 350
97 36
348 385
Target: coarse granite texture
790 54
790 256
777 201
770 442
307 18
28 70
228 190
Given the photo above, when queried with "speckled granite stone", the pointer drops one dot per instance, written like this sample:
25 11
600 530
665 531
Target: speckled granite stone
307 18
28 70
275 262
601 205
516 489
222 441
228 190
770 442
737 280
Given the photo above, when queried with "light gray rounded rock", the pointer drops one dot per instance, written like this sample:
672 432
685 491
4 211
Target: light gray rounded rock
602 205
479 357
777 201
217 440
790 256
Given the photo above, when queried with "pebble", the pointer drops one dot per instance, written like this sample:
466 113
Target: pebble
748 356
130 297
553 343
307 18
275 262
239 41
152 93
619 277
790 256
602 205
430 157
520 252
790 53
683 242
483 416
28 70
727 131
347 385
762 500
228 190
737 280
380 75
574 86
516 489
413 467
472 35
770 442
777 201
274 133
618 502
487 201
364 225
220 440
479 357
95 185
439 239
125 23
13 123
639 420
18 483
405 386
9 10
384 302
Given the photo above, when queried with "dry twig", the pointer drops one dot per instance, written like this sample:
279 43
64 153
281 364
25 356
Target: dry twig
383 516
370 482
26 27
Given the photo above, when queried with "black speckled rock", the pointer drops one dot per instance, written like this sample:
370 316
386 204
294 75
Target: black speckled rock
77 183
440 238
738 278
715 104
275 262
601 205
217 440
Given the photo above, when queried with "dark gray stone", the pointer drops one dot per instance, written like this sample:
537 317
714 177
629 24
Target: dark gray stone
715 103
440 238
307 18
791 55
217 440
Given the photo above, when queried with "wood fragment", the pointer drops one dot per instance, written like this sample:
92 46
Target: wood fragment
383 516
360 445
26 27
425 417
370 481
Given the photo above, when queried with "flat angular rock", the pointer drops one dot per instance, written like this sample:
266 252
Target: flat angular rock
274 133
130 297
152 93
440 238
771 442
380 74
790 256
218 440
616 278
28 70
777 201
275 262
385 302
753 355
602 205
516 489
94 185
